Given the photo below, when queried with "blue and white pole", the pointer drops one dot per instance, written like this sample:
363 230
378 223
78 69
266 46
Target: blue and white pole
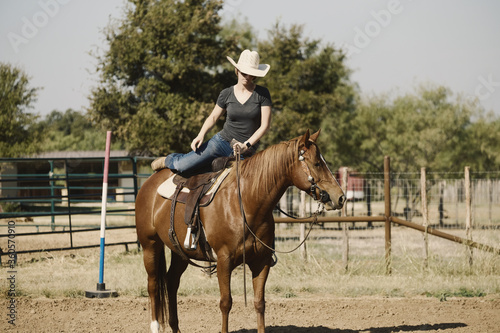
101 287
104 206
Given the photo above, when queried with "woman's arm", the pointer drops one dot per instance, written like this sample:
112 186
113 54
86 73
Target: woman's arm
265 123
210 122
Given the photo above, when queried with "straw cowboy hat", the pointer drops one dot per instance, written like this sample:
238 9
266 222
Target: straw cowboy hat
248 63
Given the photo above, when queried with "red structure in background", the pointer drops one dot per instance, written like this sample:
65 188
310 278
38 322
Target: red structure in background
355 185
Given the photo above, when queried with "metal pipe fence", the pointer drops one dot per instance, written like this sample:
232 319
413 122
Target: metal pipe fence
63 195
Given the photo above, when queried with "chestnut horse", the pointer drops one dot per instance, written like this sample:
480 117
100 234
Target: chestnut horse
263 180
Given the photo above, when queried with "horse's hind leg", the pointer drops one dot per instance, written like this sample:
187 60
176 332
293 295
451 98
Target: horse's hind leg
175 271
154 262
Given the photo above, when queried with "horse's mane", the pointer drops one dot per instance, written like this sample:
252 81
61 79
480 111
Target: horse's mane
266 167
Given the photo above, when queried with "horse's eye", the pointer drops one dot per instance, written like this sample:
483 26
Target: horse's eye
317 164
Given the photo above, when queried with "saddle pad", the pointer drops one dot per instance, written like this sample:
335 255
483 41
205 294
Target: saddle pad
167 189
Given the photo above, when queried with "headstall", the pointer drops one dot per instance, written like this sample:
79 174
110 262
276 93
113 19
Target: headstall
324 197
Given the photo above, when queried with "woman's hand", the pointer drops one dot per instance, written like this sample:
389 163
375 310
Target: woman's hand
196 143
207 125
241 147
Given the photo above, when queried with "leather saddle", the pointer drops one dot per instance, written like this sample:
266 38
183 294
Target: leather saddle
208 183
195 191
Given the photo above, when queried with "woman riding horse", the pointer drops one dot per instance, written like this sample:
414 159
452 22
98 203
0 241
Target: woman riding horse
263 179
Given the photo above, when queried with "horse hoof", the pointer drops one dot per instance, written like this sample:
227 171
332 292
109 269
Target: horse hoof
155 327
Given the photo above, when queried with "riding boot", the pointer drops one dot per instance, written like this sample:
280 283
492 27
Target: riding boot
158 164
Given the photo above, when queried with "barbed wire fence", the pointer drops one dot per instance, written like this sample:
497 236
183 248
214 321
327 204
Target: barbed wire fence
445 198
457 203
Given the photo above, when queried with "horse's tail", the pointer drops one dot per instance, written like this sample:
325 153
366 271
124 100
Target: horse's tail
161 286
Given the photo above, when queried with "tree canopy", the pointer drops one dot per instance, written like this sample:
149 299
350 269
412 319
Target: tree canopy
17 138
308 82
72 130
431 128
162 73
166 65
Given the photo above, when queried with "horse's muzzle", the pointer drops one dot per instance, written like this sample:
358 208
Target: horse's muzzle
341 201
330 205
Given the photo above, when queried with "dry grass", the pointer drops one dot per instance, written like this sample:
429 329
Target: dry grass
69 274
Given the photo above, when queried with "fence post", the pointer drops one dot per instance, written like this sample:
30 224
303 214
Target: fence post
69 202
441 203
425 214
52 205
302 213
368 190
134 171
490 201
387 199
468 212
345 229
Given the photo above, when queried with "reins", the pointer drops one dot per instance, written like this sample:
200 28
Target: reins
245 224
314 221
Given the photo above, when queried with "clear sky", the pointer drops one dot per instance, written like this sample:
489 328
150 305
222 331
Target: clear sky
393 45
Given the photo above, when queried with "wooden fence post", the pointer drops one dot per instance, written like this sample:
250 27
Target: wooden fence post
302 213
345 229
387 199
468 212
441 203
425 214
490 200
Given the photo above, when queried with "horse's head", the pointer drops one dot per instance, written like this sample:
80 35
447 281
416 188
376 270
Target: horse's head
313 176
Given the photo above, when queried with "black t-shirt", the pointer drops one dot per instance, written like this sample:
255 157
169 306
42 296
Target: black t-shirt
242 120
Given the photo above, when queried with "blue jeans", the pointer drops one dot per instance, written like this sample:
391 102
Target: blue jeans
202 157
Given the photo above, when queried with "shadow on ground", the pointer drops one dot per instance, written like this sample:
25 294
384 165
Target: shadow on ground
321 329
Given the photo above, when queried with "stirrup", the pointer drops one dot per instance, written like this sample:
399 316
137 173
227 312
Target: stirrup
275 260
189 236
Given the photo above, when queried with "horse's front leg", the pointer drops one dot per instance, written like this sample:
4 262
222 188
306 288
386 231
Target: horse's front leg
260 273
224 269
177 267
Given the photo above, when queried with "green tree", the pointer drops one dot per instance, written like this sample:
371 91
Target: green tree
162 73
240 31
308 83
427 129
17 137
481 148
72 130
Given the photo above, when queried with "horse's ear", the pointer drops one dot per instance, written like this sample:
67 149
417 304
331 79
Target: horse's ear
305 140
314 137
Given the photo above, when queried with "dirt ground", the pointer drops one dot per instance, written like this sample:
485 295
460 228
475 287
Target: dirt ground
321 315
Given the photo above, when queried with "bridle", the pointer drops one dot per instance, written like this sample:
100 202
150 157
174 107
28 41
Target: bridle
324 197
